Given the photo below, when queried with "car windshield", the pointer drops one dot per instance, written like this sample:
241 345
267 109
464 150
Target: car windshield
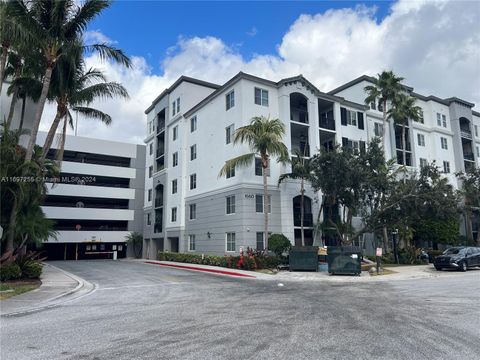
454 251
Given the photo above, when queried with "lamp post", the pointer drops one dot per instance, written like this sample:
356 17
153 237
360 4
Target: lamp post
394 239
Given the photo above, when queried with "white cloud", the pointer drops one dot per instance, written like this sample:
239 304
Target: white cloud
252 32
435 45
97 37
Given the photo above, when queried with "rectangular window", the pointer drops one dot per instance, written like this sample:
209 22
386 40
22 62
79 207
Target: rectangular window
149 194
151 148
446 167
373 106
378 129
149 219
230 172
193 124
444 121
174 214
230 100
150 171
175 133
230 239
174 186
423 162
193 152
261 97
178 105
478 151
174 159
420 115
351 117
191 242
444 143
260 241
193 211
174 108
230 204
354 146
258 167
475 127
259 203
421 139
439 119
193 181
229 134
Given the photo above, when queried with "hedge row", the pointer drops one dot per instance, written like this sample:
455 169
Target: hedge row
234 262
13 271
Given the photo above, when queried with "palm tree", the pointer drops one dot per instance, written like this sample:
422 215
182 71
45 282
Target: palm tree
56 25
302 170
74 89
136 240
404 108
385 87
264 137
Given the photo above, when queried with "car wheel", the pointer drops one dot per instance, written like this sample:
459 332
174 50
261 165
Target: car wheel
438 268
463 267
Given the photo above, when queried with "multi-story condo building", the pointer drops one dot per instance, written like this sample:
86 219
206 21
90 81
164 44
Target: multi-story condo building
190 128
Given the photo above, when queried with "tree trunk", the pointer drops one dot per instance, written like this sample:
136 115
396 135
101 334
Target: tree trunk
302 192
13 103
265 202
61 148
22 116
3 61
39 112
404 145
51 133
11 224
468 227
385 239
384 130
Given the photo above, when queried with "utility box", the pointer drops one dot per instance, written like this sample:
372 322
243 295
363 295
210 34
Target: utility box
346 260
303 258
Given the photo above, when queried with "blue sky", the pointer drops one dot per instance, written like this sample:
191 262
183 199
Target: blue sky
150 28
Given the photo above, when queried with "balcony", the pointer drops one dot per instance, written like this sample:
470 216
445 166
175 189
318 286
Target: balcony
307 219
160 125
469 157
159 202
466 134
157 227
160 152
327 123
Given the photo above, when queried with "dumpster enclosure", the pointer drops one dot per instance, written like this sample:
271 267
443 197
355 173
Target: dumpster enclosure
303 258
345 260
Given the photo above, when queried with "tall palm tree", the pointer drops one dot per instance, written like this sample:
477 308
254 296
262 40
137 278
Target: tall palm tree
301 170
404 109
264 138
384 89
74 89
56 26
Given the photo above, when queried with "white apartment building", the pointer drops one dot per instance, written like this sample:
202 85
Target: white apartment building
188 208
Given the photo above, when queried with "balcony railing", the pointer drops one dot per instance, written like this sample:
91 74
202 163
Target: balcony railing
158 202
469 157
466 134
326 123
299 115
307 219
157 227
304 150
160 126
160 152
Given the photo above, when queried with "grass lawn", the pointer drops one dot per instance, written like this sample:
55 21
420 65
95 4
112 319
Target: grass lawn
384 272
9 289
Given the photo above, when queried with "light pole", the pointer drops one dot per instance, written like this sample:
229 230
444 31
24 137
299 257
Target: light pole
394 236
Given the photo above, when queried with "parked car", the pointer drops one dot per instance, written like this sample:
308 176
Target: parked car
460 258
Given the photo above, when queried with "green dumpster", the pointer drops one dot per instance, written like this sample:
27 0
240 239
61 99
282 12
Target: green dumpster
303 258
346 260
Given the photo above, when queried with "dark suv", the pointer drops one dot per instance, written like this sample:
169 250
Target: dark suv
460 258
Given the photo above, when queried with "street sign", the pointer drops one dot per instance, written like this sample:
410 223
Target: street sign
379 251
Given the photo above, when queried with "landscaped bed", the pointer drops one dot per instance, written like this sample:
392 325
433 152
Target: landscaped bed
13 288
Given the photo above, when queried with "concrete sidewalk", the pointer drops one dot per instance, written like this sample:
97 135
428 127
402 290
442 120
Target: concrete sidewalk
57 287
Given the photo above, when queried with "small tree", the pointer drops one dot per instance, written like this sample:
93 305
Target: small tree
279 244
136 240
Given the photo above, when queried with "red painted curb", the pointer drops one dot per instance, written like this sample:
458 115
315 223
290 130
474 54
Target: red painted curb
223 272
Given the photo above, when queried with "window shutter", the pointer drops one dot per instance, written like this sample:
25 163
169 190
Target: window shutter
344 142
343 116
362 147
360 121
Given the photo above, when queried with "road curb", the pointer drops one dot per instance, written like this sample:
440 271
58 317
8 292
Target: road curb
195 268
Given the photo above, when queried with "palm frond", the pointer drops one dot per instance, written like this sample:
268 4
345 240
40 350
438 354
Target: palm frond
107 52
99 91
86 13
240 161
94 114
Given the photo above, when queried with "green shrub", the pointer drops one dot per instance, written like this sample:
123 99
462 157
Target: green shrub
279 244
10 272
32 270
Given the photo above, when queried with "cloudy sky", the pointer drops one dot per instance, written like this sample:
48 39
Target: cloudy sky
435 45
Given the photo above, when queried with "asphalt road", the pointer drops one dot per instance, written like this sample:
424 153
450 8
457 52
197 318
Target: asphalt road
150 312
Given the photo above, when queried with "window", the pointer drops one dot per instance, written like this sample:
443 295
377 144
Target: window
420 117
439 119
229 134
478 151
191 242
230 204
378 129
446 167
423 162
174 186
175 106
151 148
193 124
193 211
174 214
150 171
175 159
421 139
444 121
193 152
261 97
373 106
476 130
354 146
230 239
258 167
193 181
230 172
260 241
351 117
259 203
149 219
230 100
380 106
175 133
444 143
178 105
149 194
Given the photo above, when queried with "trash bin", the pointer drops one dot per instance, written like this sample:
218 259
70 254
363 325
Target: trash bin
346 260
303 258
